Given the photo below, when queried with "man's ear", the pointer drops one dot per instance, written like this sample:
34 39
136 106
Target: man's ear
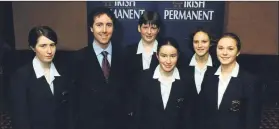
238 53
91 29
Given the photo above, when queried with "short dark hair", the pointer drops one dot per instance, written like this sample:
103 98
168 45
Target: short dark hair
39 31
150 17
99 11
233 36
168 41
205 30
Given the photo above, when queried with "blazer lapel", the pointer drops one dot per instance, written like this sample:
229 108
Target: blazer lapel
57 85
214 91
155 92
154 61
175 95
232 89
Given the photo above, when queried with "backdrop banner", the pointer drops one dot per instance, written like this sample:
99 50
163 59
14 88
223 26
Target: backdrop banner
179 18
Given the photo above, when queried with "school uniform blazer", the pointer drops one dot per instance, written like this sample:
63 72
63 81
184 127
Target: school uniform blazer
135 60
33 106
99 101
240 107
150 112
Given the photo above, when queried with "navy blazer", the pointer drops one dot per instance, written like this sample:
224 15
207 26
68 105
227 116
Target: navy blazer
99 102
150 113
240 107
33 106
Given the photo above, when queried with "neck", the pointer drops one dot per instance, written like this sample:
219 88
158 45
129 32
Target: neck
226 69
103 46
165 74
202 60
145 44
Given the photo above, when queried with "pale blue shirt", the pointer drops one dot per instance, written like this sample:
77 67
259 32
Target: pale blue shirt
39 71
98 51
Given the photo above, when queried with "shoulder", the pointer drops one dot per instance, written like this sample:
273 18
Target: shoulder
131 48
247 77
22 74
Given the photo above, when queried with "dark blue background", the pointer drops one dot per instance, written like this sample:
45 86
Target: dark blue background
127 33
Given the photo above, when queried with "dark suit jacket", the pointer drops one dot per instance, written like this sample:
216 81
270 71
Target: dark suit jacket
240 107
99 103
33 106
150 113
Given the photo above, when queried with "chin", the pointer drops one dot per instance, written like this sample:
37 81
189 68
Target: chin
168 69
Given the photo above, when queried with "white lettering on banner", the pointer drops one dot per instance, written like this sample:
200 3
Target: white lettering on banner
188 15
125 3
128 13
194 4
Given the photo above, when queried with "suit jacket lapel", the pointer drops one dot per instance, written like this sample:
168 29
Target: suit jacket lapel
92 61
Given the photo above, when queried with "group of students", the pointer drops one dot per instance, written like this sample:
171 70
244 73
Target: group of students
147 85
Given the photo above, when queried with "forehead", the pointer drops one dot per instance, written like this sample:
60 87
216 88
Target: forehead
201 34
149 25
227 41
44 40
168 49
102 18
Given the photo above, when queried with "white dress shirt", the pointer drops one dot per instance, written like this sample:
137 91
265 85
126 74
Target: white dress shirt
164 84
223 83
98 51
39 71
146 58
199 72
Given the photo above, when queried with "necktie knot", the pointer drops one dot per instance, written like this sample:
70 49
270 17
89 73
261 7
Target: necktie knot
104 53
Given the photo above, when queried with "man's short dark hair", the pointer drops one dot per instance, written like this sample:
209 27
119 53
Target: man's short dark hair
99 11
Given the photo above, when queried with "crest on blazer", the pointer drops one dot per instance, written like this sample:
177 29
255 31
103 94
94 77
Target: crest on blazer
235 106
179 102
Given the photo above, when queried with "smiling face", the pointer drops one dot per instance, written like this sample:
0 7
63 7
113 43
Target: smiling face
102 29
227 50
167 57
148 32
201 43
45 49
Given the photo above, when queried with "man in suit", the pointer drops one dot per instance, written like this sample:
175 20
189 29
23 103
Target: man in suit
98 75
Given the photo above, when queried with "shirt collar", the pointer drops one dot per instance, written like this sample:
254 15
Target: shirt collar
157 74
234 72
39 71
141 49
194 61
98 50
